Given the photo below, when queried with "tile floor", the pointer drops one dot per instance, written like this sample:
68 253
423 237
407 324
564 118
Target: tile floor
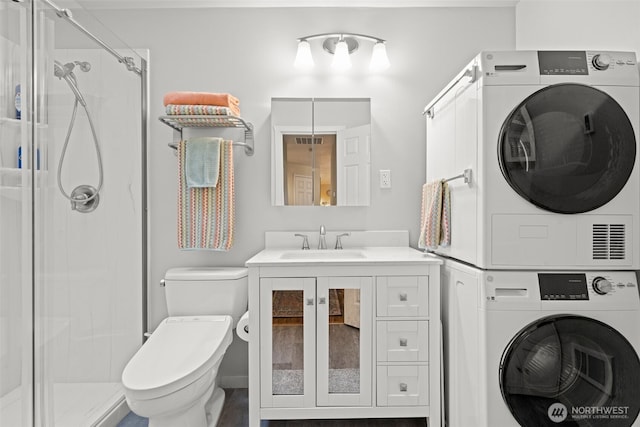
235 414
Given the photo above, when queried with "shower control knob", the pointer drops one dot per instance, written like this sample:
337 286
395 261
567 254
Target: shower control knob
601 61
601 285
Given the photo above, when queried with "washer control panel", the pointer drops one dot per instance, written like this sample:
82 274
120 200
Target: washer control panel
586 286
576 63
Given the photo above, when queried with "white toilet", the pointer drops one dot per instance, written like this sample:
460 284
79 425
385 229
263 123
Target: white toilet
172 378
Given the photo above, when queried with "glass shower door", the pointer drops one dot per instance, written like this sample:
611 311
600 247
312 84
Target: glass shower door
71 280
15 218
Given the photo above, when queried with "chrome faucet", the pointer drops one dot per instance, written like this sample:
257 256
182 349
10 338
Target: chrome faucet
305 240
338 241
322 241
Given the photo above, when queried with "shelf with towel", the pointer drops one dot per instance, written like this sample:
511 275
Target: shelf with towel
179 122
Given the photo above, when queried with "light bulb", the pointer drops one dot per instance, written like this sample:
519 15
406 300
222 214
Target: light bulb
304 60
379 59
341 60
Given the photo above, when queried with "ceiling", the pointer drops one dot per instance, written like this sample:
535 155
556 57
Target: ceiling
163 4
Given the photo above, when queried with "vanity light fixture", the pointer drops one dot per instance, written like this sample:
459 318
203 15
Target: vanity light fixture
341 45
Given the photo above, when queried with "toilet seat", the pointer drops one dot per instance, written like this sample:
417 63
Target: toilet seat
178 353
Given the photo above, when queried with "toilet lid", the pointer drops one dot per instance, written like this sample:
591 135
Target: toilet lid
178 352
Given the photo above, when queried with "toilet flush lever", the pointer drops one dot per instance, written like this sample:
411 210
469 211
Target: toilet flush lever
162 283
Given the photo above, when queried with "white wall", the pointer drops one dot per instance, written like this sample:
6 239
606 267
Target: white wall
91 283
249 52
562 24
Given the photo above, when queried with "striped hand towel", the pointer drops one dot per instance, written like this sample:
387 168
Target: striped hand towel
206 215
430 215
445 220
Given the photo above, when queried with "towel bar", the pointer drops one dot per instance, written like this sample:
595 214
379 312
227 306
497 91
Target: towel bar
248 149
179 122
466 174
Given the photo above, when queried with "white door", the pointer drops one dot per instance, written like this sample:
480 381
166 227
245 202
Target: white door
303 190
353 163
344 352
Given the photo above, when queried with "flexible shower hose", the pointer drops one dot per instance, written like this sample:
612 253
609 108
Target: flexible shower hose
64 150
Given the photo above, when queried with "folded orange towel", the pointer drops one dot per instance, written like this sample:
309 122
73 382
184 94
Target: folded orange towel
201 98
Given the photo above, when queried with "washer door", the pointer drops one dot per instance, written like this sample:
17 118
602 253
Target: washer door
571 370
567 148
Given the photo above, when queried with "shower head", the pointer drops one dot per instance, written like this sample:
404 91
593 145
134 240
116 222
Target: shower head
84 65
61 71
66 72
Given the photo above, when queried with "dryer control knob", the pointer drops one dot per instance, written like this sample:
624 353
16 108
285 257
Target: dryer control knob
601 285
601 61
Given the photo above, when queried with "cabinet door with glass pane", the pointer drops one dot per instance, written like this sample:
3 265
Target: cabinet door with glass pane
344 341
287 342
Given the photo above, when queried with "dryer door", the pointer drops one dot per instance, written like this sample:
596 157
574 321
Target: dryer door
572 370
567 148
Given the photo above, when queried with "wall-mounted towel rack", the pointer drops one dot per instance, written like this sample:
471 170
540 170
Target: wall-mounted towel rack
179 122
466 174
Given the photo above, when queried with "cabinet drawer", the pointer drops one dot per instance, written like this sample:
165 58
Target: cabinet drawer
403 341
403 385
402 296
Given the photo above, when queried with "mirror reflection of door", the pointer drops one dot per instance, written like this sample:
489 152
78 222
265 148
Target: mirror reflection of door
333 148
353 166
304 184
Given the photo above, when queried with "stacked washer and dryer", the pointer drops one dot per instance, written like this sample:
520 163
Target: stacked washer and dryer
541 310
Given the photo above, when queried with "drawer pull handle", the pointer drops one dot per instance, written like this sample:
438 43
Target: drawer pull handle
403 387
403 296
309 301
322 300
403 342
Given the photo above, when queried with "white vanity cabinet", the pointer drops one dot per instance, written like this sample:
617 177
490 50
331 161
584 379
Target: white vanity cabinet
402 330
309 355
344 338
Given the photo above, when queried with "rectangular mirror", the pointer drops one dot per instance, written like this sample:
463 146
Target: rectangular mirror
320 151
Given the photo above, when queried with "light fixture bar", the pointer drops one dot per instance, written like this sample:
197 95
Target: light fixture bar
341 45
338 35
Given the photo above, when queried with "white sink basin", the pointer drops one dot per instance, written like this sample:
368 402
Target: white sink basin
327 254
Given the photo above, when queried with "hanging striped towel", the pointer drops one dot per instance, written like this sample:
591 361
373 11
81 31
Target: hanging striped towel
206 215
445 220
430 215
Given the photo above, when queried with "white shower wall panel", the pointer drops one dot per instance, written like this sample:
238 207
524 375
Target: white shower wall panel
94 266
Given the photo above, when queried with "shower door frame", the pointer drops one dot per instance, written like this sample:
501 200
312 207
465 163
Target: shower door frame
36 370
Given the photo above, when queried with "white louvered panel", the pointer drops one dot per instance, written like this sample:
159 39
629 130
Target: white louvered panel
616 241
609 241
600 241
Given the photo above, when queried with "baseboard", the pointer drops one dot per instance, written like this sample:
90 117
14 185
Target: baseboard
113 417
239 381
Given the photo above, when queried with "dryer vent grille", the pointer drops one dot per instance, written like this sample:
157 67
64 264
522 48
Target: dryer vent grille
608 241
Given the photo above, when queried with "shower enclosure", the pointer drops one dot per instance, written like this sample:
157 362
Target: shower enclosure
72 215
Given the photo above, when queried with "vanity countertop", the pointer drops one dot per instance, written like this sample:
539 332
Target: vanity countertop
349 256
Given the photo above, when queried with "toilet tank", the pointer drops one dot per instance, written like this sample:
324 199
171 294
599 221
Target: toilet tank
192 291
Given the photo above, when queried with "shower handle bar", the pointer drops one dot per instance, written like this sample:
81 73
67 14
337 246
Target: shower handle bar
66 14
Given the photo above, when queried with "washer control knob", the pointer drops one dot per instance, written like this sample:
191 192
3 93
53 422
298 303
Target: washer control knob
601 285
601 61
